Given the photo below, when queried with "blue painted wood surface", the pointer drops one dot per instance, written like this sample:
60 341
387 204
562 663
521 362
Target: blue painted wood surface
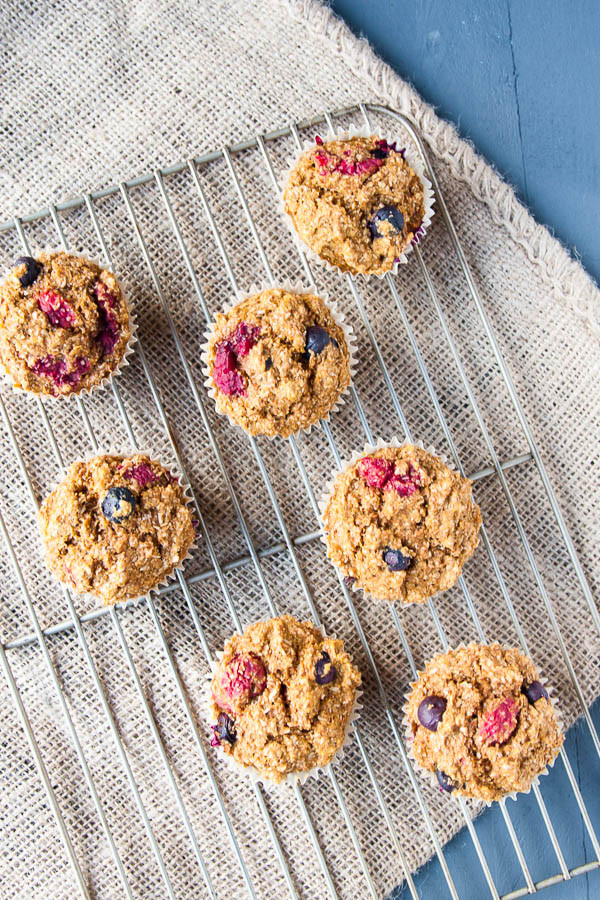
519 78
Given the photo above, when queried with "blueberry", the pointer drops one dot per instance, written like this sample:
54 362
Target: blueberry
119 504
535 691
395 560
225 729
268 363
390 215
316 339
325 671
32 271
431 711
444 781
378 153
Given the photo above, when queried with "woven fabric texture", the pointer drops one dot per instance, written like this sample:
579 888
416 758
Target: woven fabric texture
114 90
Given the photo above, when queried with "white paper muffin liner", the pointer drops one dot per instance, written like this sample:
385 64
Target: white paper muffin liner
430 777
379 444
7 378
414 163
171 466
292 778
292 288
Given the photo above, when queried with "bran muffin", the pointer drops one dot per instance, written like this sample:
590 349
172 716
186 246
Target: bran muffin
400 524
115 527
282 697
356 203
278 362
64 324
482 722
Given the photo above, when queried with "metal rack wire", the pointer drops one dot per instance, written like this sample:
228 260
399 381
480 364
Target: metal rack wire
289 544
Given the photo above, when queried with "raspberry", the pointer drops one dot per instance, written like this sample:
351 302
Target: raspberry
108 329
318 140
406 484
225 373
56 370
499 722
243 679
346 166
375 470
60 313
243 338
381 474
143 474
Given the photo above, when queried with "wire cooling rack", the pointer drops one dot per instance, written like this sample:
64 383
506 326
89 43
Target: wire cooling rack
83 212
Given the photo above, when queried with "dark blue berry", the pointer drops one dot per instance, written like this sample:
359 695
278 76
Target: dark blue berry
317 338
444 781
225 729
118 504
535 691
392 216
378 153
431 711
395 560
325 671
268 363
31 272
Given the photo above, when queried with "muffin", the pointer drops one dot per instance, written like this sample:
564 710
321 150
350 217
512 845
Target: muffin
278 362
64 324
356 203
116 527
482 722
282 697
400 524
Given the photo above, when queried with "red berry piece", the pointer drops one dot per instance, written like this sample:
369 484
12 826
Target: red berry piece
59 312
243 338
376 471
243 679
405 484
499 722
108 328
55 369
143 474
225 373
318 140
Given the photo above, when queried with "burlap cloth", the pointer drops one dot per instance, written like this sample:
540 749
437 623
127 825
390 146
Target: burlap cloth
93 92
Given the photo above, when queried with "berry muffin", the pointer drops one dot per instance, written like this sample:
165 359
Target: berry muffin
356 203
400 524
278 362
482 722
64 324
282 697
116 527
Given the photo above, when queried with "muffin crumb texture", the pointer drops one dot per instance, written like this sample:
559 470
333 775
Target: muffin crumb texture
356 203
64 324
278 362
116 527
400 524
481 720
281 697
